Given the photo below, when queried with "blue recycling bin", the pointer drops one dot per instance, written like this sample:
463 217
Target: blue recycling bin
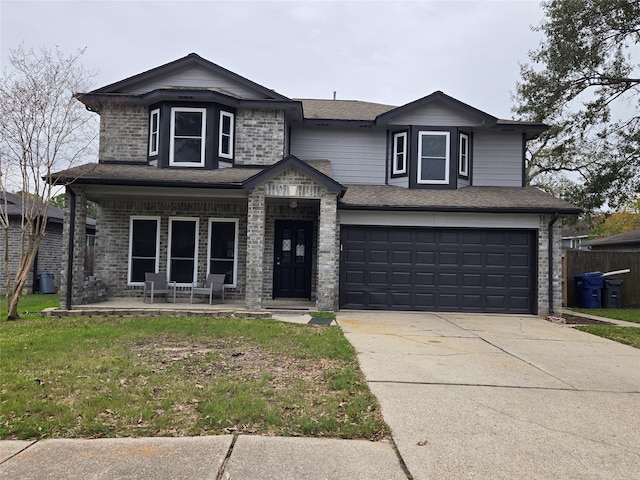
46 283
589 287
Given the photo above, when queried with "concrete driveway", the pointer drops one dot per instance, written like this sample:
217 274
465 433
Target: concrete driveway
501 397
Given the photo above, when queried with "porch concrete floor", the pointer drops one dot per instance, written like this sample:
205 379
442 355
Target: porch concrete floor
219 308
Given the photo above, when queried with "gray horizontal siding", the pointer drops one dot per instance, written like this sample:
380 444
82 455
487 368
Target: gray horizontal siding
436 115
357 155
399 181
497 159
199 78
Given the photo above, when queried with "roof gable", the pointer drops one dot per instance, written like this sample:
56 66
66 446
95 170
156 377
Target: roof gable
292 161
435 108
191 71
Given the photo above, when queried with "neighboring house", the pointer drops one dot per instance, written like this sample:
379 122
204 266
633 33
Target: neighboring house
574 235
48 259
349 204
623 242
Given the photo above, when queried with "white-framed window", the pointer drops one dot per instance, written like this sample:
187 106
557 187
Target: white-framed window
144 248
399 153
225 139
463 155
154 128
433 158
182 257
187 144
222 251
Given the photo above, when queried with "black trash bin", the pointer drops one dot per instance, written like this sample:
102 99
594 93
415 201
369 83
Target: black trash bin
46 283
611 293
590 289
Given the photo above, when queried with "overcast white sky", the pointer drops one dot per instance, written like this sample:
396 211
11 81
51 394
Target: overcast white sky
388 51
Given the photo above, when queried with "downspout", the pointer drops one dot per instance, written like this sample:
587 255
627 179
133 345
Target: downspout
550 235
72 225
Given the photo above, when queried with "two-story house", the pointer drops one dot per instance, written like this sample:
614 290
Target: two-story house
349 204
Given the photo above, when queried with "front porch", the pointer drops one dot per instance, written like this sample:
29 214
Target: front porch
135 307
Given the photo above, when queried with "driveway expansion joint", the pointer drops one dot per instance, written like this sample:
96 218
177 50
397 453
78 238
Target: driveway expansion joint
227 457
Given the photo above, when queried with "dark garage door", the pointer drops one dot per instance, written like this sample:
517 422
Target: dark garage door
468 270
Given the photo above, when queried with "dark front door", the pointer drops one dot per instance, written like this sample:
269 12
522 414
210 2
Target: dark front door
292 268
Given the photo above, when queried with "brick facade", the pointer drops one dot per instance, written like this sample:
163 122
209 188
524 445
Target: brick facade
124 131
112 239
260 136
48 261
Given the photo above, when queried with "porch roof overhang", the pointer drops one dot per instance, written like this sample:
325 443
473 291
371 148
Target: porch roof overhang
469 199
136 180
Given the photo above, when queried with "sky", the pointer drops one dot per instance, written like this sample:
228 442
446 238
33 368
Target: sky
390 52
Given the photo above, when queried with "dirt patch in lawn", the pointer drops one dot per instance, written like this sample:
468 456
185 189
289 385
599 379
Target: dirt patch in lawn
224 359
573 320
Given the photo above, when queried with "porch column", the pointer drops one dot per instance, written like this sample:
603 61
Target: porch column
72 248
328 248
255 248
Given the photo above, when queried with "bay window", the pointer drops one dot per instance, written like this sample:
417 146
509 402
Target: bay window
187 140
433 158
399 158
225 140
463 155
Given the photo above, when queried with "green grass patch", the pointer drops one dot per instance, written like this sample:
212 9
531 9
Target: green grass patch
626 335
626 314
112 377
322 315
30 306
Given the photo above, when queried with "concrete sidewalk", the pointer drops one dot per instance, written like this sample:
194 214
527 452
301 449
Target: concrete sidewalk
501 397
244 457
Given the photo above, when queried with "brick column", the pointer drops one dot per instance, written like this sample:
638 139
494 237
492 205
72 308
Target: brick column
255 248
328 248
77 261
543 266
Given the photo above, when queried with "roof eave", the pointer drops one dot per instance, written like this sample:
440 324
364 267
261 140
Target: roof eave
466 209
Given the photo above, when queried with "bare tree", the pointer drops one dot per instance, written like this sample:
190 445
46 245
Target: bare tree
43 129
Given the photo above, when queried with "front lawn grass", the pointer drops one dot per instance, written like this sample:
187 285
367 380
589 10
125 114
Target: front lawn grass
112 377
626 335
626 314
30 305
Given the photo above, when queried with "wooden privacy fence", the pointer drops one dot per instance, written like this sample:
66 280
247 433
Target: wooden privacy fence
578 262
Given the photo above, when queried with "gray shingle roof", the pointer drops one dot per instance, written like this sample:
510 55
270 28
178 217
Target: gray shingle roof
342 109
468 199
624 238
378 197
127 174
14 207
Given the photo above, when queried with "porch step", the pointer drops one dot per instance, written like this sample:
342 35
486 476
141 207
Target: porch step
154 312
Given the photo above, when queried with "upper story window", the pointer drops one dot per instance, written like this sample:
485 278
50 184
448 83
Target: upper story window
187 141
154 128
433 158
225 142
463 155
399 158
